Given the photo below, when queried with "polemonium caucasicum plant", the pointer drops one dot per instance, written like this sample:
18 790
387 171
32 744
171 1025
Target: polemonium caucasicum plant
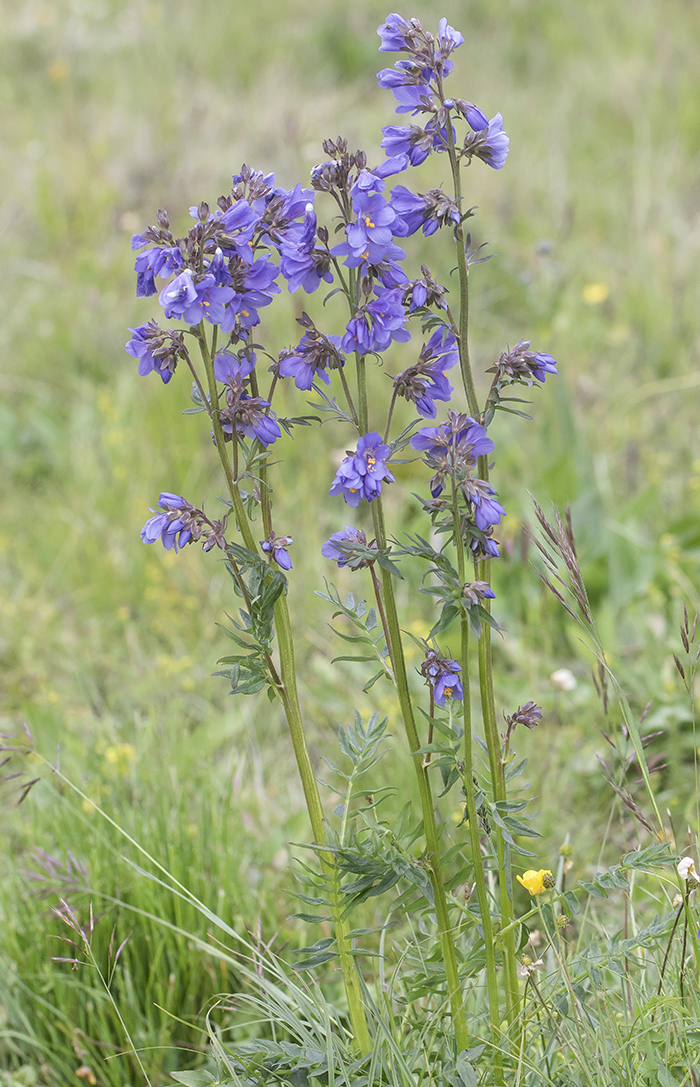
215 283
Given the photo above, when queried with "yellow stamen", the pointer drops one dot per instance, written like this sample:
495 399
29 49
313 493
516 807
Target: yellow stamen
371 461
368 221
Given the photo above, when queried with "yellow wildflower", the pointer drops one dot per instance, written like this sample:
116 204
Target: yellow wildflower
536 882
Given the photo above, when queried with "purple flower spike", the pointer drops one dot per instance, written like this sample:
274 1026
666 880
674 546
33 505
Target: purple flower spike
362 472
168 526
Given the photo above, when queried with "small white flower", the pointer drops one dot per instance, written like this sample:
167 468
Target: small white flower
563 679
686 869
528 967
677 901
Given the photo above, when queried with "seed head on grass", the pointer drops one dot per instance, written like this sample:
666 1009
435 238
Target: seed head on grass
557 546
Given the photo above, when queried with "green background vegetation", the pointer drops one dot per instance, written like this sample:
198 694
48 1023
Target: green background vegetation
113 109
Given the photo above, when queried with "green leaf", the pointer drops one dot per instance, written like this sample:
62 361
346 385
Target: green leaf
197 1078
371 682
356 660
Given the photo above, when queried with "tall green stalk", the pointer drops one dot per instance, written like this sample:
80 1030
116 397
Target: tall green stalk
290 701
488 709
472 815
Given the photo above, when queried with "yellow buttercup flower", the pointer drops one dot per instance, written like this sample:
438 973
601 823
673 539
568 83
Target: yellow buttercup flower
536 882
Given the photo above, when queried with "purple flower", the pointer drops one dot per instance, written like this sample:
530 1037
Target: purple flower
218 268
139 348
487 511
160 261
370 238
277 547
411 207
253 286
408 83
441 674
157 351
393 34
250 415
426 382
179 295
362 472
377 323
366 183
473 592
448 685
395 165
410 140
340 543
169 526
460 432
453 447
260 425
448 39
239 222
485 548
489 144
227 364
522 365
309 360
430 209
301 264
542 365
189 300
474 117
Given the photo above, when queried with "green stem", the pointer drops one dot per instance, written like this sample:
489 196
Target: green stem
424 790
500 792
463 269
362 414
493 739
292 710
468 778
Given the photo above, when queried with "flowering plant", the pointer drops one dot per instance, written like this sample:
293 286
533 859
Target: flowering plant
216 281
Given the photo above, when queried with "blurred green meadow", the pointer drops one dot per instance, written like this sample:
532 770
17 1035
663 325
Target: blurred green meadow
114 109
